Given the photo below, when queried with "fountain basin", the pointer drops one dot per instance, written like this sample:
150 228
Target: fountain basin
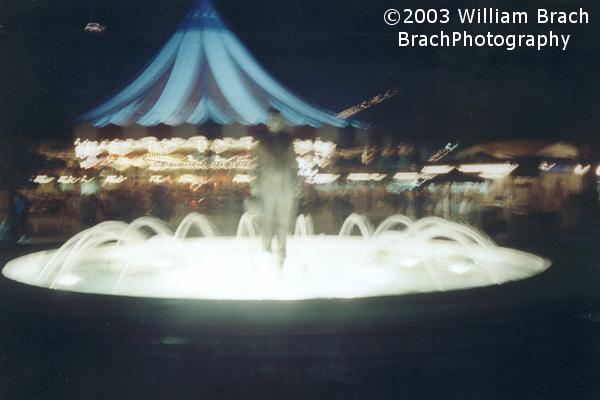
317 267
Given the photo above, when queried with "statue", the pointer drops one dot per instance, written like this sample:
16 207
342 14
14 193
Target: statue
276 181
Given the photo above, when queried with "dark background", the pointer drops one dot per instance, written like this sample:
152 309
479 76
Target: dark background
333 53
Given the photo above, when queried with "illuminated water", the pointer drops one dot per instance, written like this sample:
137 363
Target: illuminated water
145 258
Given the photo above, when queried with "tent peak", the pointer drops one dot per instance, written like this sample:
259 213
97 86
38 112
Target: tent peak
204 73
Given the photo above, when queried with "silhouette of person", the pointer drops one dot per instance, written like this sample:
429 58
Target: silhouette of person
22 208
276 180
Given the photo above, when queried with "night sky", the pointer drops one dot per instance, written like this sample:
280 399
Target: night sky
332 53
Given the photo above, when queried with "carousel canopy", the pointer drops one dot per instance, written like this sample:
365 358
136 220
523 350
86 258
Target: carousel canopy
205 73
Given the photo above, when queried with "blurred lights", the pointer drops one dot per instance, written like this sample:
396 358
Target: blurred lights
200 144
43 179
318 179
243 178
68 280
409 262
581 170
349 112
90 148
302 147
159 179
318 147
459 269
443 152
497 170
64 179
114 179
545 166
94 27
68 179
166 154
193 179
436 169
362 176
324 149
406 176
306 167
493 177
170 162
228 144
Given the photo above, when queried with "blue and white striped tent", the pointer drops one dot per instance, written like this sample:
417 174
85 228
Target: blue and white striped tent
204 73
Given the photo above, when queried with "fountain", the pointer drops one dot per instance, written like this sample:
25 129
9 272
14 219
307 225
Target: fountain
146 259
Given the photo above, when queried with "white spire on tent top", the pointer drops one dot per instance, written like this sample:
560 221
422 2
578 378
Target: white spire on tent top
205 73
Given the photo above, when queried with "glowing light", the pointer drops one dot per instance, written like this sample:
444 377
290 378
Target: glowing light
409 262
43 179
150 144
546 166
68 179
598 170
234 162
85 179
68 280
493 177
301 147
321 151
306 167
114 179
319 179
90 163
168 162
368 155
351 153
193 179
243 178
324 149
349 112
159 179
581 170
363 176
459 269
493 169
436 169
125 259
442 152
94 27
230 144
168 154
406 176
